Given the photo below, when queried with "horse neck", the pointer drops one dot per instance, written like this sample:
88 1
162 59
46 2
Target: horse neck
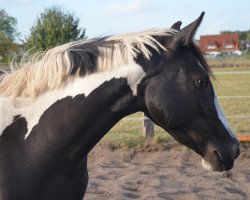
87 108
107 97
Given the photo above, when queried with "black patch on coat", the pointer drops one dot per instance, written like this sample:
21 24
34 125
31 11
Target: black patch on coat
57 146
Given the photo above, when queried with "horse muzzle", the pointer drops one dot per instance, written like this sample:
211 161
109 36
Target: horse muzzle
221 159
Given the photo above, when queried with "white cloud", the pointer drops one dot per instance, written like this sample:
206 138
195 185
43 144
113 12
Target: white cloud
214 28
125 7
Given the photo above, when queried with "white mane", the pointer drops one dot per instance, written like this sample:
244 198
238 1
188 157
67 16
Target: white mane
57 66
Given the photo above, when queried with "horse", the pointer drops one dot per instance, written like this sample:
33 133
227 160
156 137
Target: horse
58 105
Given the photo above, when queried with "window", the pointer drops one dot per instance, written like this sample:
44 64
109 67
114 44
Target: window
211 46
228 46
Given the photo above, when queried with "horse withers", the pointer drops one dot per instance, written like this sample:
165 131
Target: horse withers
55 108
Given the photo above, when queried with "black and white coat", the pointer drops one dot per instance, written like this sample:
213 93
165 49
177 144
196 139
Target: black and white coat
54 110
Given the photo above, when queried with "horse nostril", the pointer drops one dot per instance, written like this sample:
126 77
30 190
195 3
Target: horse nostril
237 153
237 142
236 148
217 153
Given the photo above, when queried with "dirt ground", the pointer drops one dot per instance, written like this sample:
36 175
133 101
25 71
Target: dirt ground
157 172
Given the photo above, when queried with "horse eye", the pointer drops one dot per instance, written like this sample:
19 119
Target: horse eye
202 82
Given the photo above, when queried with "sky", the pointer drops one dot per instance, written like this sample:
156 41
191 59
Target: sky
107 17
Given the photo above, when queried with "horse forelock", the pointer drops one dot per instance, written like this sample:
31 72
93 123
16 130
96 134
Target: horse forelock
57 66
201 59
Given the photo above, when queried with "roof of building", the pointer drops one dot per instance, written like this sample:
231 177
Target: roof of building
223 42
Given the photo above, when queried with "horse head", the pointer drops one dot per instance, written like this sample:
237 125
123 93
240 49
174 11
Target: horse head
180 98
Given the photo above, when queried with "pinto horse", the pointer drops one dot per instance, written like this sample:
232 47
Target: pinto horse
56 107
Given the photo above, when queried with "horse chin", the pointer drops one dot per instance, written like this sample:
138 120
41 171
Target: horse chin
215 163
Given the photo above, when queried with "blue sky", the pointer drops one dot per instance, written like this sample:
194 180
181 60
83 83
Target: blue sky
105 17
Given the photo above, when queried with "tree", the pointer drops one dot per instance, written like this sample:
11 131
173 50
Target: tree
248 36
8 34
242 34
54 27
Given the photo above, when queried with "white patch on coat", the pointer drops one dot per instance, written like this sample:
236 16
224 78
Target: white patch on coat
32 110
7 113
224 121
221 114
223 118
206 165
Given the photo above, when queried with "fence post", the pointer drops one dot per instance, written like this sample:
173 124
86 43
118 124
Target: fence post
148 127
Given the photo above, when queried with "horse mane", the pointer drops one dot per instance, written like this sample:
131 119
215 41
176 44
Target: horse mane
57 66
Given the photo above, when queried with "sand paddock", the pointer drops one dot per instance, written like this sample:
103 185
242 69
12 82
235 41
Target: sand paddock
167 171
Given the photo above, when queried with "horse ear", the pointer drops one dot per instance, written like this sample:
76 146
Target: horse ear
177 25
185 35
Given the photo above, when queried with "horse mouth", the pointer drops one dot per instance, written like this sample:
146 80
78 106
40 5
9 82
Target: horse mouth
217 163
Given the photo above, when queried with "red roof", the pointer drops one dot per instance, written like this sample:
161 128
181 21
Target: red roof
224 42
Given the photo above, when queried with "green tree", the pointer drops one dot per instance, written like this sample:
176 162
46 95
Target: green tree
52 28
248 36
8 34
242 34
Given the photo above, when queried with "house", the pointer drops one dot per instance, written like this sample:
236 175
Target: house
224 43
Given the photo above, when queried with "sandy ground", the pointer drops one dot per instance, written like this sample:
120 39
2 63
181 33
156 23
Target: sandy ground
168 171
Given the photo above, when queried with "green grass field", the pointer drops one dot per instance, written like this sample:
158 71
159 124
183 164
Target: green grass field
235 85
128 132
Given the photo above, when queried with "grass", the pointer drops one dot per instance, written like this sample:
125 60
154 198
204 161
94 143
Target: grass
128 132
235 85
